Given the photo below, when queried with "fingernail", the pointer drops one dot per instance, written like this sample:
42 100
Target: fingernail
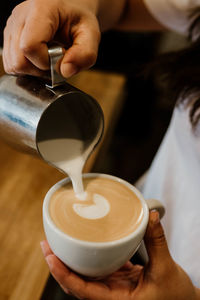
155 218
68 69
49 261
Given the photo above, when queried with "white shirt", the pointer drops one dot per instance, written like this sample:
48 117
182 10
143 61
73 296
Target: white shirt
174 179
174 14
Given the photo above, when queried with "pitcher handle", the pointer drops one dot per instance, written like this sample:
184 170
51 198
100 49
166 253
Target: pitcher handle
56 53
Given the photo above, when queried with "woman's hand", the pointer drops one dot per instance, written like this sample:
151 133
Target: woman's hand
34 23
75 24
162 278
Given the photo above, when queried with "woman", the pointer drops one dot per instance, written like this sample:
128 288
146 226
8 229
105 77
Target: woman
175 172
174 175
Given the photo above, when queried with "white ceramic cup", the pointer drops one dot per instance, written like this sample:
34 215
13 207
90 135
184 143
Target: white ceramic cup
96 259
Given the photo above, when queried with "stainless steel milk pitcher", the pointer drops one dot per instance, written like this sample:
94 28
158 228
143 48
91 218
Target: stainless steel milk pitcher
34 110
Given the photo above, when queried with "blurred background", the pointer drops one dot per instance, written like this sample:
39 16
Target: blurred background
144 115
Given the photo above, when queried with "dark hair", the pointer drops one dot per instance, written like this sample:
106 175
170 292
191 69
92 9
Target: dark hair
177 74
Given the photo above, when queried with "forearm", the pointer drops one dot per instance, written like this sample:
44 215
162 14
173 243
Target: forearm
123 15
137 17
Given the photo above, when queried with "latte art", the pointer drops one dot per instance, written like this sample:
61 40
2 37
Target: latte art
98 210
109 212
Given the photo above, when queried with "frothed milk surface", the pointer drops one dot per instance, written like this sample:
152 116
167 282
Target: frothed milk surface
109 212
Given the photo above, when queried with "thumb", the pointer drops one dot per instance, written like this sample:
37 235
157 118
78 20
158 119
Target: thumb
156 243
84 49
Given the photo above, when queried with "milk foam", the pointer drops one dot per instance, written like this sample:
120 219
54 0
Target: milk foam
99 209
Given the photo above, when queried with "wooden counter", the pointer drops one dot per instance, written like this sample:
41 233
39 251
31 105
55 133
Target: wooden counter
24 181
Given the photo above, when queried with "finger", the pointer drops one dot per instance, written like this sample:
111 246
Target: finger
13 58
39 29
128 274
19 64
5 57
47 251
127 266
73 283
155 242
45 248
83 52
6 47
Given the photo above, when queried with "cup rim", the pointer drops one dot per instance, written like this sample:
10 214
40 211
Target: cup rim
124 239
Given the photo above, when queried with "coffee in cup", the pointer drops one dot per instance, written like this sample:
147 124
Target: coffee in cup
110 210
